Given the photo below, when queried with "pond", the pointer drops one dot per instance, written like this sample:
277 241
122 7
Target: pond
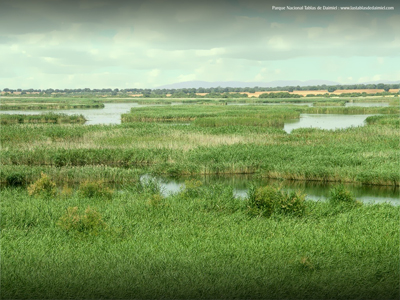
315 191
325 121
110 114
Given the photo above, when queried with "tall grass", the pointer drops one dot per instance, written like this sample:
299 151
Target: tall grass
51 117
222 140
48 103
205 246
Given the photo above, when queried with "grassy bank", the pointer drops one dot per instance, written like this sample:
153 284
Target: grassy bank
199 244
6 119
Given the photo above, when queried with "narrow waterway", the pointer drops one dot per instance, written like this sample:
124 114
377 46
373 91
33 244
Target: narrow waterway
314 190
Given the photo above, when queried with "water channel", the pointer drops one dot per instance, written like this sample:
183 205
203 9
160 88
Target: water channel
111 114
315 191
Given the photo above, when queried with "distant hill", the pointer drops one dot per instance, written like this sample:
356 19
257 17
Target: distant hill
242 84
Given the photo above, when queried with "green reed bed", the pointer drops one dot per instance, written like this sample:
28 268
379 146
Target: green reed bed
20 175
354 110
336 103
374 99
93 242
367 155
242 121
392 120
48 103
6 119
192 112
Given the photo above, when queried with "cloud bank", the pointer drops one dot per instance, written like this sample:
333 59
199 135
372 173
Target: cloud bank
121 44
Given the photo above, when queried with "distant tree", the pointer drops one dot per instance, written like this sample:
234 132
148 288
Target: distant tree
380 86
386 88
331 89
290 89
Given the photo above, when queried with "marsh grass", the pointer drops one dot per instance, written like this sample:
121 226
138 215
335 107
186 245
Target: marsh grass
222 140
48 103
6 119
193 248
336 103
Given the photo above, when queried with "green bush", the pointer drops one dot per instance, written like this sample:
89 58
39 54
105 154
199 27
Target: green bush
15 179
342 199
339 194
267 200
262 201
292 203
91 189
43 187
90 222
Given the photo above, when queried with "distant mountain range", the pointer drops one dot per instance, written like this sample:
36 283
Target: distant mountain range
242 84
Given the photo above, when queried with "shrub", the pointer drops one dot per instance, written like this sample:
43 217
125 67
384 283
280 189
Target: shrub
264 201
66 191
91 189
339 195
43 187
292 203
90 222
342 199
15 179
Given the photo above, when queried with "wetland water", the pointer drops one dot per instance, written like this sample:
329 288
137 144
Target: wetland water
111 114
315 191
325 121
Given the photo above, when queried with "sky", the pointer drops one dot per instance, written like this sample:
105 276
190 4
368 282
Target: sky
149 43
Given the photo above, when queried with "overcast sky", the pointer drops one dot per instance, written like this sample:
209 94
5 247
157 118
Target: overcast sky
144 44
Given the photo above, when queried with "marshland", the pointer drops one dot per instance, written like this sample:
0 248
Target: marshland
74 207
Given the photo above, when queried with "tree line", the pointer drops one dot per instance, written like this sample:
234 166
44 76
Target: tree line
215 90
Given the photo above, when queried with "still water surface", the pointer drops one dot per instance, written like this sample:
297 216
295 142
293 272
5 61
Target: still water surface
314 190
325 121
111 114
